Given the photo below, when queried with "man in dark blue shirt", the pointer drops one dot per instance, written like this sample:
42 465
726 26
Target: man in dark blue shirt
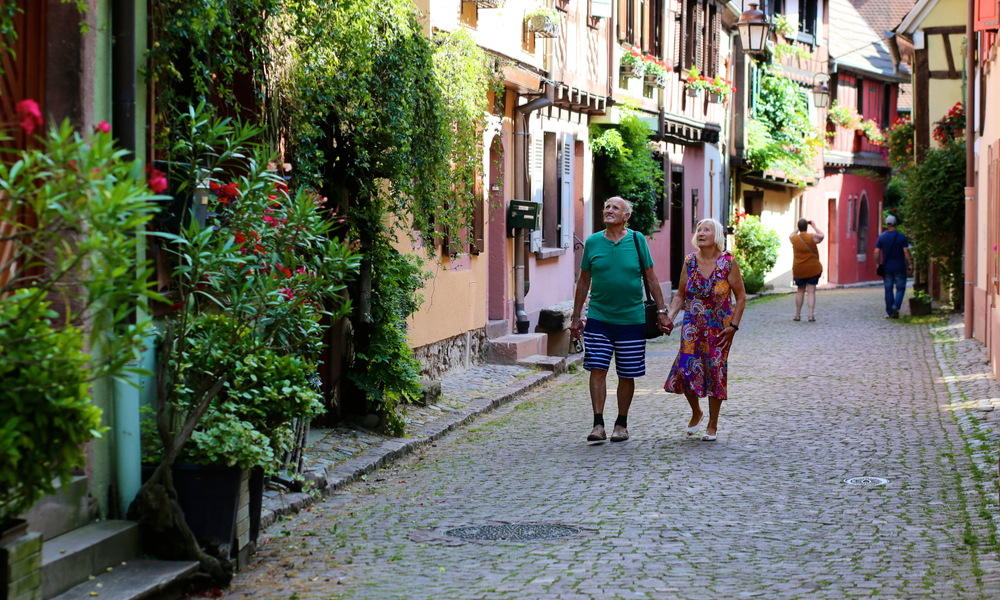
895 249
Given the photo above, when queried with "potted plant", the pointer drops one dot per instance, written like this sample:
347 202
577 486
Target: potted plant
870 130
544 22
632 64
695 83
248 291
920 303
656 71
71 283
719 90
844 116
951 126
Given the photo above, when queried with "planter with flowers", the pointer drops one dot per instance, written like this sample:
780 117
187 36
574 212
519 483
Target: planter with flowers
695 83
951 126
633 65
656 72
844 116
719 90
870 130
543 22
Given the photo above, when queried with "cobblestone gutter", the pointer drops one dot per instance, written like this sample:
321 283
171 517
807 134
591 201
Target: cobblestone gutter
974 395
346 456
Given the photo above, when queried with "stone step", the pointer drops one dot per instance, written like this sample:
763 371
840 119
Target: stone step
497 328
64 511
69 559
137 579
556 364
509 349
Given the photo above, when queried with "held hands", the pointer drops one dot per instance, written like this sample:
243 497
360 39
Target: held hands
664 322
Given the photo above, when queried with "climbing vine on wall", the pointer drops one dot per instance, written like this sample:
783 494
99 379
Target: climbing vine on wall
780 135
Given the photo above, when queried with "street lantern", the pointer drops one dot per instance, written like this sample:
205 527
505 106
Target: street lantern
753 27
820 91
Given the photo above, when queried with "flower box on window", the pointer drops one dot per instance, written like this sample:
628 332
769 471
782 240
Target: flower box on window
543 22
488 3
656 80
693 92
714 98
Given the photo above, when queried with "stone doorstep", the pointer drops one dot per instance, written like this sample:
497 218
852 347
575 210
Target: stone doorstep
373 458
509 349
89 550
556 364
497 328
138 579
63 511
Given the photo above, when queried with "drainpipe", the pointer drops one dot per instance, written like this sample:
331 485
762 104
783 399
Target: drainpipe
520 191
971 206
123 73
128 470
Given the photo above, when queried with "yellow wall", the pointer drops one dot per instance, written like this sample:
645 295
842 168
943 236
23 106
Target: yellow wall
944 93
454 301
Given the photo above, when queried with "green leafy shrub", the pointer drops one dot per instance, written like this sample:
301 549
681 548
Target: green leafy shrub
626 159
934 206
780 134
756 251
79 252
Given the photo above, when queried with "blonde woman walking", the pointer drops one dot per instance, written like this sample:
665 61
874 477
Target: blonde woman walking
711 278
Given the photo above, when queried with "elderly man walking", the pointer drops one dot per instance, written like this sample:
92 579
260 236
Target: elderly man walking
892 253
611 269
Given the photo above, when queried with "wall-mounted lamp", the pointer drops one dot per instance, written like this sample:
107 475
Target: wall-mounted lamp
753 28
820 91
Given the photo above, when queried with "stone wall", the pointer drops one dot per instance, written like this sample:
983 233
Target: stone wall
21 561
452 355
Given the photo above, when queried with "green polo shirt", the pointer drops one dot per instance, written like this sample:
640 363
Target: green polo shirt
616 279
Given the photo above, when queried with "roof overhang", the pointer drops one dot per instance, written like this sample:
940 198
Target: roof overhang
911 22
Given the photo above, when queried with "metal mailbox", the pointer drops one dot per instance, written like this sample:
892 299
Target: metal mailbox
524 214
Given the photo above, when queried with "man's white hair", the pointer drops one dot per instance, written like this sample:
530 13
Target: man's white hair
628 205
720 233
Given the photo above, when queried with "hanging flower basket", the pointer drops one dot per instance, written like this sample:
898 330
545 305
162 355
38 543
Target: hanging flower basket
656 80
633 71
714 98
693 92
543 23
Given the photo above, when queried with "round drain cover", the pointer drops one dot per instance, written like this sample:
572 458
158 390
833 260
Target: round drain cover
866 481
513 532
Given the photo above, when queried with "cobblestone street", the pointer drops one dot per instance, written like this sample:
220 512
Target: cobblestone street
764 512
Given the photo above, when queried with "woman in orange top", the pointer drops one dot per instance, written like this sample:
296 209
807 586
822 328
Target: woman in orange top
806 267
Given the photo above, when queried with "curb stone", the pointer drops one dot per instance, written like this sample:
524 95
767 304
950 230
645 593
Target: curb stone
329 479
966 382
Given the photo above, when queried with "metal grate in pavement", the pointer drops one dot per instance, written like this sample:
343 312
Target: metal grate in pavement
513 532
868 481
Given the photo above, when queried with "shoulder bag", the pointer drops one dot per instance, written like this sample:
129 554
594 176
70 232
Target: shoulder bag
649 305
880 269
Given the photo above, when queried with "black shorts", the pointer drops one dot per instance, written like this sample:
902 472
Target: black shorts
807 281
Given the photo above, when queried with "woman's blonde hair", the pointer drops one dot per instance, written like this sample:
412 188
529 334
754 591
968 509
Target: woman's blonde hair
720 234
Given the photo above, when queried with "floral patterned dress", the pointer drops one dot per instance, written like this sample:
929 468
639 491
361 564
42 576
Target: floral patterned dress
708 309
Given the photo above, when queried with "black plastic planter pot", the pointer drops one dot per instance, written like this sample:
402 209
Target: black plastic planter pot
256 485
209 497
918 308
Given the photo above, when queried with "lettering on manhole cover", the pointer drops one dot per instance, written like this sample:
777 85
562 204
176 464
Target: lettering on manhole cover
868 481
512 532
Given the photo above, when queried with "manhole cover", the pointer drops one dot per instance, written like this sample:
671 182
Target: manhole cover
866 481
512 532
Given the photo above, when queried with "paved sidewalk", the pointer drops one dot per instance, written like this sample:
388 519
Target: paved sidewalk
764 512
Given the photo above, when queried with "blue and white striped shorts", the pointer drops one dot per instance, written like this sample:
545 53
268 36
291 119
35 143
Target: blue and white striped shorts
626 342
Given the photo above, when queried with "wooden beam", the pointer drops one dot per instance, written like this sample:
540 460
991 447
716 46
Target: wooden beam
948 55
921 102
941 30
944 75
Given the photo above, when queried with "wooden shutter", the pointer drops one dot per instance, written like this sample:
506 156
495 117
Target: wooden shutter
716 56
623 20
566 193
678 46
647 26
699 36
987 15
